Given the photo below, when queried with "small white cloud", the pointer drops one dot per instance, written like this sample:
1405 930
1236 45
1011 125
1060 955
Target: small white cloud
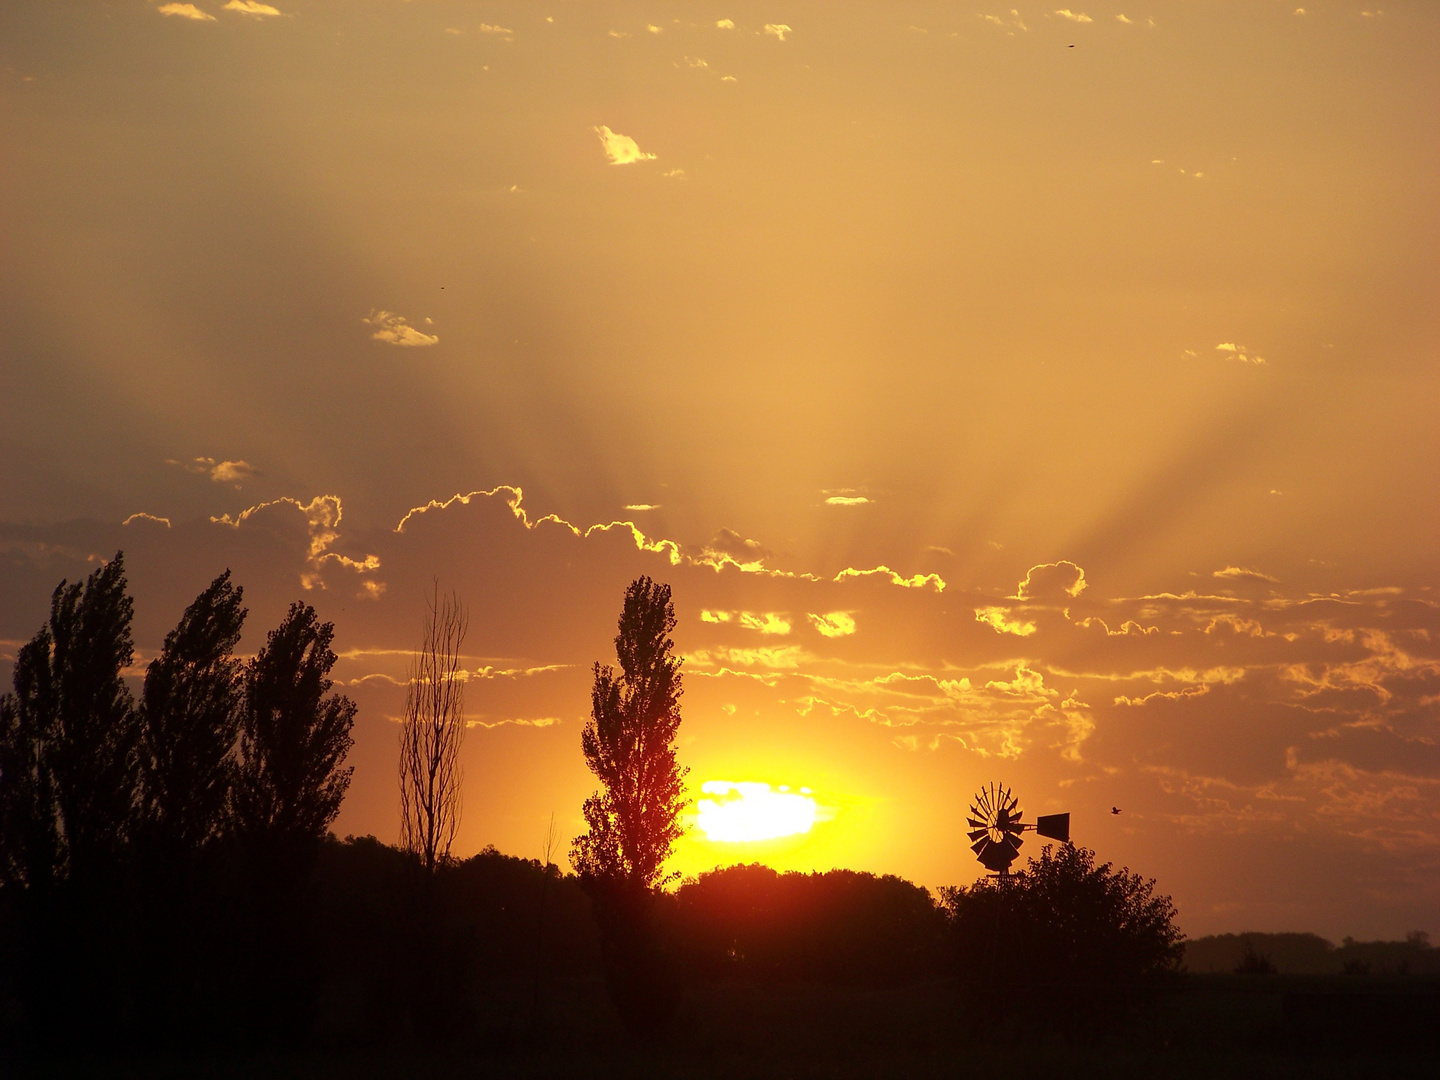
186 11
1240 352
1299 11
834 624
696 62
654 29
620 149
454 31
1073 16
677 174
642 506
777 30
727 78
395 330
725 24
1124 19
250 7
846 500
618 33
497 31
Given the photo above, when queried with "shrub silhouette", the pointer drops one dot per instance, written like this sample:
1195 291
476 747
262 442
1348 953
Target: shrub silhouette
838 926
1083 943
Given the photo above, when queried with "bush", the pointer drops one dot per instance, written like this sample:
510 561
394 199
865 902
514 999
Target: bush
1078 944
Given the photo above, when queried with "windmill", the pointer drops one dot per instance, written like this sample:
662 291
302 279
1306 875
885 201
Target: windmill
996 824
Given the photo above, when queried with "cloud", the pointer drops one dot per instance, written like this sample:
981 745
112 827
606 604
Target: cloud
394 330
766 623
916 581
620 149
642 506
1234 573
1015 20
251 7
1124 19
833 624
1240 352
186 11
675 174
498 31
1049 581
143 517
706 615
222 472
846 500
654 29
777 30
725 24
1073 16
1001 620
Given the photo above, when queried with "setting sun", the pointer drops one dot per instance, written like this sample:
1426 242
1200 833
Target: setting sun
739 812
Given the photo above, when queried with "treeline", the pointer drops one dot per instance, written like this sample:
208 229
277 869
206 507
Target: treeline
1310 954
157 856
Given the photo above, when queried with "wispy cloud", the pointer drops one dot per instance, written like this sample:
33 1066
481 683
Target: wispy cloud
642 506
1240 573
1242 353
833 624
251 7
142 516
1010 25
1002 621
393 329
768 622
725 24
186 11
621 149
915 581
497 30
846 500
234 473
1073 16
777 30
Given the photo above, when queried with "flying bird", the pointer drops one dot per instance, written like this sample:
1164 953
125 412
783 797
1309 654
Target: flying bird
1114 809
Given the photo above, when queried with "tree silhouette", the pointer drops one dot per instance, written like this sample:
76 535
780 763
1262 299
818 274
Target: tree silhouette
629 743
68 771
190 716
293 739
431 733
1084 942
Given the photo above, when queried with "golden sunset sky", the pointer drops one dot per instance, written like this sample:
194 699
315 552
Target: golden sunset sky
1034 395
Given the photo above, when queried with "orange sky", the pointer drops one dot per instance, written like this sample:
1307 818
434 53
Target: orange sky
887 325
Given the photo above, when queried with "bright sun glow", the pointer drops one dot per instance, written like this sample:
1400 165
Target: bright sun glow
736 812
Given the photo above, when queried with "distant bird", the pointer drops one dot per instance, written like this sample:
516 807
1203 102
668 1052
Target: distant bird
1072 46
1114 809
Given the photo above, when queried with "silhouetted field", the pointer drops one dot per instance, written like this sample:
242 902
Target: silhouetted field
1206 1026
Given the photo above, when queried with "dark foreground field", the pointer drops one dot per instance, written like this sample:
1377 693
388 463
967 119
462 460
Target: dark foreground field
1206 1026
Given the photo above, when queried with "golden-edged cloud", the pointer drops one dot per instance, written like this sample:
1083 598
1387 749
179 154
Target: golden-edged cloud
1240 573
833 624
234 473
1073 16
394 329
1243 353
777 30
1002 621
620 149
1050 581
768 622
252 8
144 517
185 11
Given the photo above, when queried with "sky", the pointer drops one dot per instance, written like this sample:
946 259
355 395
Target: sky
1025 395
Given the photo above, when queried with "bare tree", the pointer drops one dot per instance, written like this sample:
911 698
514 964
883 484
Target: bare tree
431 734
